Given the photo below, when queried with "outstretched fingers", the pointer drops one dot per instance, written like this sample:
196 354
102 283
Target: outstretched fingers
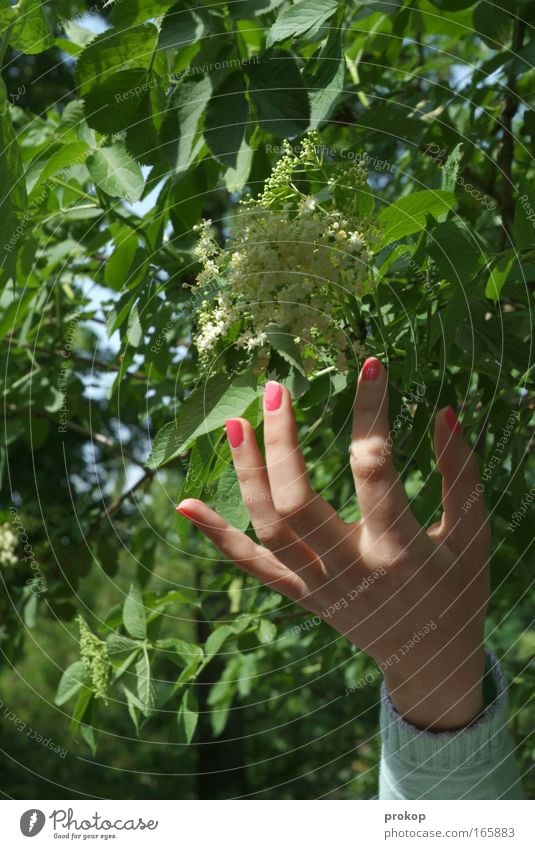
464 514
272 531
246 554
380 492
294 500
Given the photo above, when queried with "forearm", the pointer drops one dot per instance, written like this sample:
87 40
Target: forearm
475 762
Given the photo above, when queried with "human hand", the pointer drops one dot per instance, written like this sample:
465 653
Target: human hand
383 579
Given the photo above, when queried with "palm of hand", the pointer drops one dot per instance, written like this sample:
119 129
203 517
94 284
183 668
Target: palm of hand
383 579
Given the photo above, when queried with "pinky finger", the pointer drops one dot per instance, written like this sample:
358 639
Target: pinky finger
246 554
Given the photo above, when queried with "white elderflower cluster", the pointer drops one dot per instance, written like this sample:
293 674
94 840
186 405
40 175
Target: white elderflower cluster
293 259
8 544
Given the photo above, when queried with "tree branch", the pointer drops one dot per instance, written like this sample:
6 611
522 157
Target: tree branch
91 435
109 510
482 184
99 365
114 506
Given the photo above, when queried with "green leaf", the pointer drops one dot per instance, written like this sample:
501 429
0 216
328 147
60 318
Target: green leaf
446 322
135 700
223 690
304 18
30 612
187 716
324 78
114 51
450 171
71 682
31 33
143 134
181 138
13 199
248 671
455 251
216 640
452 5
229 502
182 26
524 59
8 14
196 477
252 9
78 37
492 24
57 160
120 670
205 410
107 555
17 308
185 595
118 265
235 594
188 673
116 173
421 441
277 90
188 652
219 715
145 690
498 276
81 707
118 643
134 614
237 176
284 343
226 119
134 705
111 106
129 12
88 733
524 223
134 331
387 7
408 215
267 631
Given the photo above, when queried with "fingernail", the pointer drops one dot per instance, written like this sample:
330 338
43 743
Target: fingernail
452 420
234 432
371 369
272 396
184 512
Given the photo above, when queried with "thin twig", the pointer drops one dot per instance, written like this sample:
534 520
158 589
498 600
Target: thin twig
90 435
114 506
482 184
99 365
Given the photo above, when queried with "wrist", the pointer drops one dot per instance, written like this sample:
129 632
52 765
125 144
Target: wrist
441 695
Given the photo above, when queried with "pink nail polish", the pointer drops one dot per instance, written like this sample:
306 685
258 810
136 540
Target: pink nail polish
371 369
451 417
184 512
234 432
272 396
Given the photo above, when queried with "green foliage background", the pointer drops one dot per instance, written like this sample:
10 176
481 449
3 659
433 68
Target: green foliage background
112 147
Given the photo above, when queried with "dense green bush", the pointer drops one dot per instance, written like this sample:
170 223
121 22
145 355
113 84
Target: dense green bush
113 149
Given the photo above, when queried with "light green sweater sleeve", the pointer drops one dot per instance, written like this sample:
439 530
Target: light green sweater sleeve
474 763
